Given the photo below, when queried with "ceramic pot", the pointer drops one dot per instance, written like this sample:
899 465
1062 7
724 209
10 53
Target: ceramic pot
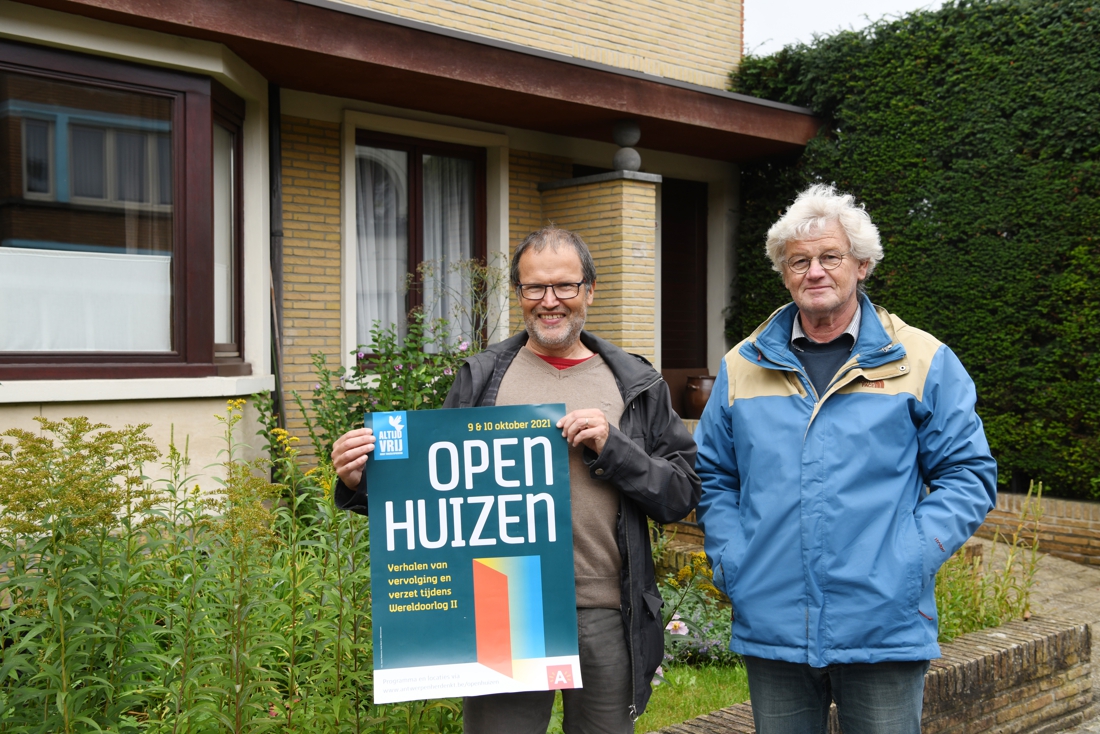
696 394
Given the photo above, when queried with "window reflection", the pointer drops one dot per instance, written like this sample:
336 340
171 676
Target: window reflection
86 218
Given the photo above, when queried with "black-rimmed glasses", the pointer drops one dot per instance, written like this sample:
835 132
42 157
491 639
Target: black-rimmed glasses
537 291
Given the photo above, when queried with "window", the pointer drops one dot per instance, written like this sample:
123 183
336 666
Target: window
416 202
228 306
106 262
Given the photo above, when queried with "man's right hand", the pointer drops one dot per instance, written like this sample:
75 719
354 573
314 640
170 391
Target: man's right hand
349 455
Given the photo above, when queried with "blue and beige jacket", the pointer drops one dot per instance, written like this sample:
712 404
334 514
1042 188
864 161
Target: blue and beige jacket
827 516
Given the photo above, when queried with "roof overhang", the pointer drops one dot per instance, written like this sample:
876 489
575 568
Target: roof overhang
343 50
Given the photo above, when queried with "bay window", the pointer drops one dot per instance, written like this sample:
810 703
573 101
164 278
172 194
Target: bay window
119 202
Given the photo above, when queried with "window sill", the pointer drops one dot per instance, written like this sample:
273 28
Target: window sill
71 391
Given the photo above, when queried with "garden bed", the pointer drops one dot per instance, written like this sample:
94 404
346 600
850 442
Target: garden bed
1022 677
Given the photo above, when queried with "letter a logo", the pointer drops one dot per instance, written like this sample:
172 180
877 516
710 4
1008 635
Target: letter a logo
559 676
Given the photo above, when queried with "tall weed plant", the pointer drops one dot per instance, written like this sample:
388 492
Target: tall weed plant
131 605
974 593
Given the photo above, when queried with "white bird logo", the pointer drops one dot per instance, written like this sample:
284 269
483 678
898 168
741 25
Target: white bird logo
395 421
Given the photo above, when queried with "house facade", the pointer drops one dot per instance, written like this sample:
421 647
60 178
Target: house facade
197 196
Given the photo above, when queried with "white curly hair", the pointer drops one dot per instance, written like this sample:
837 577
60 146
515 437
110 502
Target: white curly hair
812 211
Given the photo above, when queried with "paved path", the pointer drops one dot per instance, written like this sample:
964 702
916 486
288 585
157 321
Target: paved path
1069 591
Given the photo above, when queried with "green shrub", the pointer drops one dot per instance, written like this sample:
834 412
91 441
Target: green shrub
971 134
130 606
697 617
410 372
406 368
76 621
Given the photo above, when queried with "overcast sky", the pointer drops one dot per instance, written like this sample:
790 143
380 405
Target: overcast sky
772 24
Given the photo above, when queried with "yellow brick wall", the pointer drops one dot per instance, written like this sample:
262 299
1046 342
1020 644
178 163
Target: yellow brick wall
311 257
617 219
525 172
697 41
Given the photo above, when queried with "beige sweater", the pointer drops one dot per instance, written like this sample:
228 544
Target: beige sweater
595 503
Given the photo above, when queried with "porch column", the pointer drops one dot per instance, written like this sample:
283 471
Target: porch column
616 214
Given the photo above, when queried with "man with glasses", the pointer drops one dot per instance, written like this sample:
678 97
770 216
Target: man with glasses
842 463
630 457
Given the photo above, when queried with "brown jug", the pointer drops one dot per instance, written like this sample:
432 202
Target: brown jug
696 394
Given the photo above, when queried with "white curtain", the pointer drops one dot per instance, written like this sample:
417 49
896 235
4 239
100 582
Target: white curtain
448 238
382 232
55 300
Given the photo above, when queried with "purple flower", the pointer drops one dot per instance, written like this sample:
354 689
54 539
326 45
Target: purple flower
463 346
361 355
316 386
398 366
447 371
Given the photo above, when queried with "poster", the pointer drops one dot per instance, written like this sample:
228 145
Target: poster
471 553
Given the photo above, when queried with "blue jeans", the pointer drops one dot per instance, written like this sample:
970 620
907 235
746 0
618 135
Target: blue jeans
871 698
601 707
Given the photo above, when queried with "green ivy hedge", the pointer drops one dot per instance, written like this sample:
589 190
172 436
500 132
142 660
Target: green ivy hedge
972 134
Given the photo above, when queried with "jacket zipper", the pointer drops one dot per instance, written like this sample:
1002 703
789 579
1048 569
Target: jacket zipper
631 398
633 709
630 628
789 367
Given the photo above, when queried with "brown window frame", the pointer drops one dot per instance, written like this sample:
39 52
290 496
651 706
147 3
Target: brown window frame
229 114
417 148
193 100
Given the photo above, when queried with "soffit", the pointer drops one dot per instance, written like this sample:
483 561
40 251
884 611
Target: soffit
346 52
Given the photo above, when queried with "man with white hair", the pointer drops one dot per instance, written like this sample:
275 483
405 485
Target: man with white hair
842 463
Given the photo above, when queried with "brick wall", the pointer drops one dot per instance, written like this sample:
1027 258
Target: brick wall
1014 678
1030 676
689 40
1067 529
311 256
525 172
617 219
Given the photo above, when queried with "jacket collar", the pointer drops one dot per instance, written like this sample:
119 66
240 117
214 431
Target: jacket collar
877 343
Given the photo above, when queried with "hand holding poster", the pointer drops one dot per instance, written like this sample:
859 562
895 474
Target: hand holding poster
471 553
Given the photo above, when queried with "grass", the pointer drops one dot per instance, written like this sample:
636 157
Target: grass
690 691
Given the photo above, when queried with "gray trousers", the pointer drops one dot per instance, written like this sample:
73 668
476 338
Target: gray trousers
601 707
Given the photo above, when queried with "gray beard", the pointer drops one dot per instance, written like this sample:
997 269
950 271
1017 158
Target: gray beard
568 337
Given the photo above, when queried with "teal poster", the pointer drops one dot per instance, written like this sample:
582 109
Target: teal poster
471 541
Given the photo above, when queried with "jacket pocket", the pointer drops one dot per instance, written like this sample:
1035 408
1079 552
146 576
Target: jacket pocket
914 563
730 562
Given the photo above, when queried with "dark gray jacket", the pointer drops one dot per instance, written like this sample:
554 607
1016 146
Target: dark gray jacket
649 458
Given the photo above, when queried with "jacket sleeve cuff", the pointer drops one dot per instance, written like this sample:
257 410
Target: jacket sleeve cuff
349 499
602 465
